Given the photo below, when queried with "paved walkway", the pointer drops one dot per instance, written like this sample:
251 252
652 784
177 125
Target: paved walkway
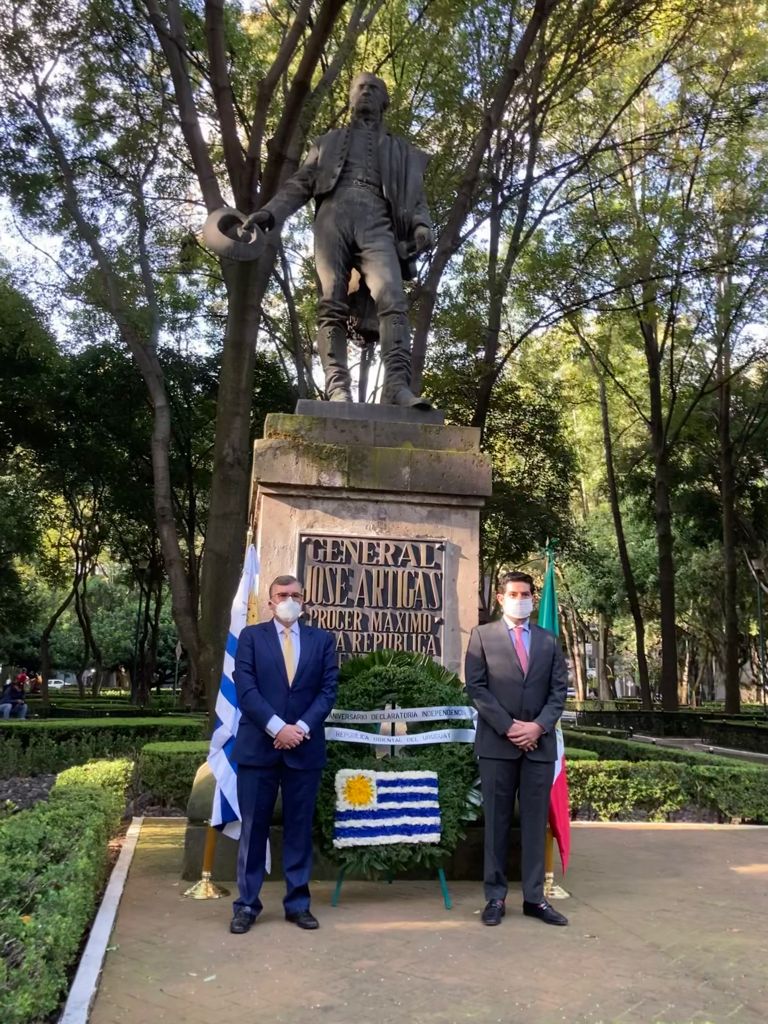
668 924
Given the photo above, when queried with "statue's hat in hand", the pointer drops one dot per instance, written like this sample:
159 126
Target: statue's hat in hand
224 234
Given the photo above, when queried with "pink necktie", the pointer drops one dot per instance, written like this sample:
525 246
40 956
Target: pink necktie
520 648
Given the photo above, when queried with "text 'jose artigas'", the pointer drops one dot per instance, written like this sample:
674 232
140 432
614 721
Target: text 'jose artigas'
375 593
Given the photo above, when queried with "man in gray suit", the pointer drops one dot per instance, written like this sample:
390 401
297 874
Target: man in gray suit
516 677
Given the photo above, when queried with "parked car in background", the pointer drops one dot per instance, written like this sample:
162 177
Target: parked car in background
56 684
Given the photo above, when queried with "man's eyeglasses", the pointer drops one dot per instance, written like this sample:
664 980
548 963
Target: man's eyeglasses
283 595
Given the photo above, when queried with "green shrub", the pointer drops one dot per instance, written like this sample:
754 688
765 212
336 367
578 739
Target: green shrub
621 790
655 790
601 730
34 748
738 734
577 754
114 776
612 749
53 862
167 770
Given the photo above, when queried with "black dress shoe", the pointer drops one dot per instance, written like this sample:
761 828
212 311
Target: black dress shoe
241 922
545 912
304 919
494 911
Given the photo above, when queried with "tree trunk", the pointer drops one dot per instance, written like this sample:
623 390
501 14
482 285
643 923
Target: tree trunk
618 525
683 690
45 643
662 508
728 517
664 541
573 654
230 482
601 644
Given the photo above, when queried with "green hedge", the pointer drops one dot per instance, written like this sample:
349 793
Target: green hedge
686 722
53 862
737 734
167 770
580 754
34 748
96 709
659 791
611 749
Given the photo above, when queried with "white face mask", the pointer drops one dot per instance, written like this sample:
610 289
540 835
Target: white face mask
288 610
517 607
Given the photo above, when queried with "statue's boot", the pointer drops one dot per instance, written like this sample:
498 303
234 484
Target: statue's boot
396 356
332 348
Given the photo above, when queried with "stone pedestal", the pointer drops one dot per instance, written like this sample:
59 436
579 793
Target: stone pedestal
376 509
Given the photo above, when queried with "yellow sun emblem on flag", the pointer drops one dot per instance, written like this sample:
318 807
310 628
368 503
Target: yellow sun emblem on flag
359 790
355 789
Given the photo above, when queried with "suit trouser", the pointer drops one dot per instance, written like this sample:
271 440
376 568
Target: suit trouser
502 780
257 792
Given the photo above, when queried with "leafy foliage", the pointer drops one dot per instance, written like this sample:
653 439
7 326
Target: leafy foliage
53 861
50 746
660 790
167 769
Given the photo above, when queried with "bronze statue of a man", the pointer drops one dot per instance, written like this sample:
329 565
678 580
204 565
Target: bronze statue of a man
371 215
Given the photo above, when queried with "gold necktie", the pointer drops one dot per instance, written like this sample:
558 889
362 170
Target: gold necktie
289 655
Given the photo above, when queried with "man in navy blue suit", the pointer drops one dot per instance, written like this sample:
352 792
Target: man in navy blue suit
286 676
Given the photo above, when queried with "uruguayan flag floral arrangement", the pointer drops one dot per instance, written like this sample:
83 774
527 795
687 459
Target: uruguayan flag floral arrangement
387 815
376 808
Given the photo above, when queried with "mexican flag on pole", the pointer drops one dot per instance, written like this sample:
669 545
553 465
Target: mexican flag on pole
559 809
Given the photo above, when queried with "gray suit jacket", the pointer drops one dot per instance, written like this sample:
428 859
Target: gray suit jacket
501 694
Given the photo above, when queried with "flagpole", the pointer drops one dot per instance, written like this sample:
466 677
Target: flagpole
551 891
206 888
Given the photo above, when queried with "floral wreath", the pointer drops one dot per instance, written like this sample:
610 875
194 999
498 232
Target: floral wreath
394 678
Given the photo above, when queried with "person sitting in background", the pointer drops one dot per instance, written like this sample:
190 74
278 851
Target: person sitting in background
12 703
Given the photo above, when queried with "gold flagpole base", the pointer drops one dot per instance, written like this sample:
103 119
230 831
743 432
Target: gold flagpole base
552 891
205 889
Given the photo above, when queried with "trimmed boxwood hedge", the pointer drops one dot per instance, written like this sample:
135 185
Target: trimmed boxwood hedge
53 862
580 754
613 749
737 734
662 791
609 790
687 722
34 748
167 770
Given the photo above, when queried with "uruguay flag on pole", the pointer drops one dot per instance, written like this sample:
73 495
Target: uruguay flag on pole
559 806
225 815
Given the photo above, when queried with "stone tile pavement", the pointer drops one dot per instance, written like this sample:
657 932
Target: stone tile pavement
668 926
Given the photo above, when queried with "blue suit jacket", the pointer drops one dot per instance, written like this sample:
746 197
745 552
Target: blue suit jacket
263 691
